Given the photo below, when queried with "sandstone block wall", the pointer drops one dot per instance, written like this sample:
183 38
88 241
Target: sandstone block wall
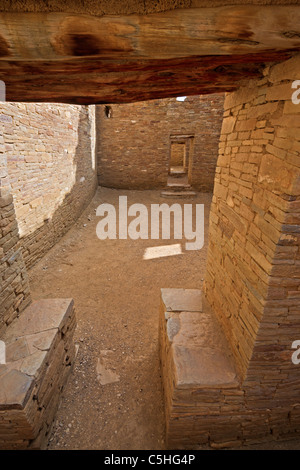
40 354
253 266
133 145
50 151
252 281
14 287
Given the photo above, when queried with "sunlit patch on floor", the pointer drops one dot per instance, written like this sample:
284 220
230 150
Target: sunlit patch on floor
162 251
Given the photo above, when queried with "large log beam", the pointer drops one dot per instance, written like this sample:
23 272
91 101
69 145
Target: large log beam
84 59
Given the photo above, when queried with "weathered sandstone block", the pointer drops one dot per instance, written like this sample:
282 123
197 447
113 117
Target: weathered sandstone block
39 357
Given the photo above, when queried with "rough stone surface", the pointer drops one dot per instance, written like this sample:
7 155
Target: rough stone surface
50 158
252 279
14 287
253 273
199 376
176 300
253 257
206 400
134 143
39 356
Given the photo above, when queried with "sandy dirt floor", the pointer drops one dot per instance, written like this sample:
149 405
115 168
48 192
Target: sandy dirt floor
117 296
114 398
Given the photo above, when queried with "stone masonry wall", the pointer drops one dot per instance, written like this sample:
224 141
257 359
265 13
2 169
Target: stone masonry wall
133 147
253 267
14 287
33 378
50 152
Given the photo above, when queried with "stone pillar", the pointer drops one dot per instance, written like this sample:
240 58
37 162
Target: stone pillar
253 268
14 287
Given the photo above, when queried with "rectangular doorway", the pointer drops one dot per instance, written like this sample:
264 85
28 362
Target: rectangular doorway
181 159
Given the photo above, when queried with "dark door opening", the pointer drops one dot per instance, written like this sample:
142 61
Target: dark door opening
180 162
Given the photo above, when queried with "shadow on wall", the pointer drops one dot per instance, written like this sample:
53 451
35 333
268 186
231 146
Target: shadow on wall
36 244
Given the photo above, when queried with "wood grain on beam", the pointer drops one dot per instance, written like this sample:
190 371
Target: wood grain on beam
84 59
179 33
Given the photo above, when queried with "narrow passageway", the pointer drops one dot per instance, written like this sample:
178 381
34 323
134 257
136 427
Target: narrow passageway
187 103
113 399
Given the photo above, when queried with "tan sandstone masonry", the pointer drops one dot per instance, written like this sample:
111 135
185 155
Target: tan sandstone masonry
50 150
253 268
252 283
133 145
14 287
38 336
40 354
253 259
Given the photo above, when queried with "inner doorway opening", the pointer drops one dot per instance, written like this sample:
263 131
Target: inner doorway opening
180 161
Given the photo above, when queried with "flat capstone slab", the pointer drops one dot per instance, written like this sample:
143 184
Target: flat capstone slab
28 340
178 300
200 354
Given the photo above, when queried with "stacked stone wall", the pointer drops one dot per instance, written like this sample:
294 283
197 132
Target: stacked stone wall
14 287
253 267
50 152
134 142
